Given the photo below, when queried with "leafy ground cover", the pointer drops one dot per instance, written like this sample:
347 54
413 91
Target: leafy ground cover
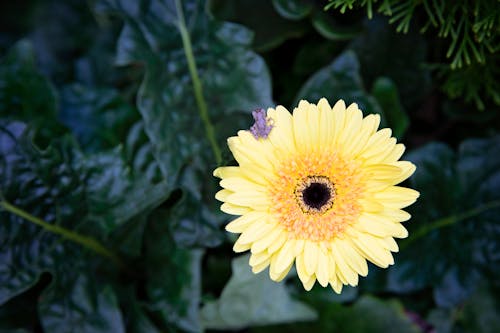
114 113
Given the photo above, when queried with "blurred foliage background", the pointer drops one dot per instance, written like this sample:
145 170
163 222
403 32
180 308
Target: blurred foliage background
108 221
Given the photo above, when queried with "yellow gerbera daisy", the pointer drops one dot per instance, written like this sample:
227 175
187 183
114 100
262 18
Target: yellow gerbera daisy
316 188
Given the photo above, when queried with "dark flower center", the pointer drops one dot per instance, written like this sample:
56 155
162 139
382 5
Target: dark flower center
316 195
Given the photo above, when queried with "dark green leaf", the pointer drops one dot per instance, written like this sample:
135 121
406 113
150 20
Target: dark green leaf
25 94
478 314
270 29
233 78
386 93
369 314
84 307
456 214
327 26
339 80
366 315
93 195
173 276
294 9
251 300
400 57
98 117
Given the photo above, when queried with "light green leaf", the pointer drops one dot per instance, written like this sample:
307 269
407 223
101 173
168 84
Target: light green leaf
252 300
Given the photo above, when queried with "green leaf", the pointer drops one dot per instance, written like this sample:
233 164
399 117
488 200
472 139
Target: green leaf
173 285
339 80
458 209
383 52
252 299
25 94
366 315
98 117
294 9
61 186
233 78
84 307
330 28
271 30
386 93
479 313
369 314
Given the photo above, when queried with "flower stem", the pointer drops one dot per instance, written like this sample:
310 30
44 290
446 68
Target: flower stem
85 241
198 92
449 220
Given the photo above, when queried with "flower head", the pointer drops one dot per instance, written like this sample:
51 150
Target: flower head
318 189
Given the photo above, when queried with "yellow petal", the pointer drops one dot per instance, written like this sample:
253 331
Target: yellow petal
382 171
240 247
353 258
262 266
370 205
285 256
234 209
395 154
309 283
301 269
222 195
338 111
407 169
326 122
266 241
261 150
278 243
256 200
396 197
373 251
256 231
274 273
351 134
390 244
301 127
281 135
336 285
395 215
236 184
258 258
322 271
243 222
344 270
379 155
377 143
310 257
379 226
229 171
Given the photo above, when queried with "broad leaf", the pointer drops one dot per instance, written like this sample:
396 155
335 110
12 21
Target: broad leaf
83 307
251 300
394 116
454 231
173 276
294 9
232 77
339 80
383 52
98 117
